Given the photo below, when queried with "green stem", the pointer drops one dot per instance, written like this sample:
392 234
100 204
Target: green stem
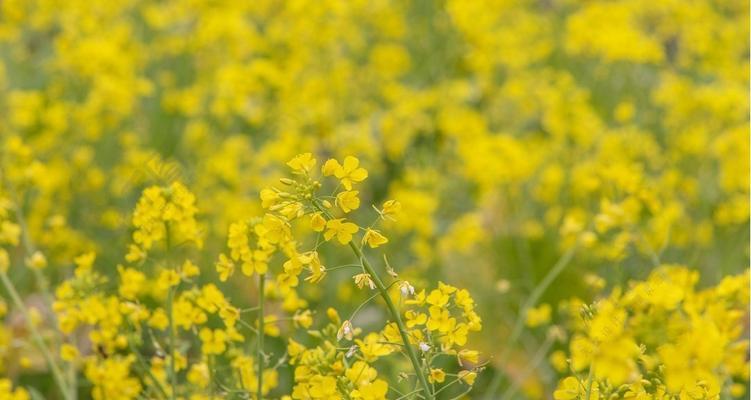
210 361
44 286
172 341
589 382
259 347
147 371
56 373
538 291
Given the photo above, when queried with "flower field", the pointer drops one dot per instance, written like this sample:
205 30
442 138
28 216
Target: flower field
374 199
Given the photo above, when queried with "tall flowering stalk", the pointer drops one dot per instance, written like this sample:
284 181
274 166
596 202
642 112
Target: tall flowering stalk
383 291
442 331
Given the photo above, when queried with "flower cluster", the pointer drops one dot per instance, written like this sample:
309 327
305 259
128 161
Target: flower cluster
319 369
160 328
660 338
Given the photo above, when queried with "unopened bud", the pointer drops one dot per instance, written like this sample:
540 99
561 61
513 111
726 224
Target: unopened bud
407 289
287 181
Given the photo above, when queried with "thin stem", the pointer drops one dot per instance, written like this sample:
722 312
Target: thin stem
448 385
404 396
172 341
352 316
44 286
538 291
461 395
211 377
248 325
146 369
259 347
589 382
342 266
36 336
394 313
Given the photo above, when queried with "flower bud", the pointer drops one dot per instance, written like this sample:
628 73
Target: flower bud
407 289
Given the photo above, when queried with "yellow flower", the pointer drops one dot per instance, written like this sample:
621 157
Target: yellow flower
273 229
167 279
440 320
538 316
348 200
372 347
4 261
391 208
269 197
436 375
323 387
214 341
68 352
418 300
135 254
348 173
317 222
437 298
465 355
375 390
558 361
199 375
456 335
85 261
270 326
373 238
311 259
225 267
8 393
159 319
189 270
415 318
467 376
317 273
302 162
131 282
360 373
342 230
303 319
568 389
294 349
36 261
330 167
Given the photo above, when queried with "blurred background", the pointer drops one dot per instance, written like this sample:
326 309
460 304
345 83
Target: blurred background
609 136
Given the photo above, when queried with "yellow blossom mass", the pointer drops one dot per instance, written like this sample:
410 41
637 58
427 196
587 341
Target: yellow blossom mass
374 199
